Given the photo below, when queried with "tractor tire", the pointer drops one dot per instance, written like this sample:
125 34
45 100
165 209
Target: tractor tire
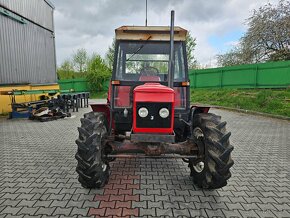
215 170
92 169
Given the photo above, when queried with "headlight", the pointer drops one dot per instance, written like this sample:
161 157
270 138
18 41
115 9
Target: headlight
143 112
164 112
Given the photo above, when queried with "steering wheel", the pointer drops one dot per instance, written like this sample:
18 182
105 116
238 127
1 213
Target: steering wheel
149 71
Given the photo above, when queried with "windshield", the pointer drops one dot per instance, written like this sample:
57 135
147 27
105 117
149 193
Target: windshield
148 61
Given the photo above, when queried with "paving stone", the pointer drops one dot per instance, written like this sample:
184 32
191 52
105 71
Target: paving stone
146 197
139 204
161 198
248 213
214 213
43 203
79 211
130 212
28 216
172 205
11 210
185 205
281 207
10 196
205 205
25 196
78 204
83 197
181 213
91 204
164 212
151 204
282 213
13 216
45 211
216 206
147 212
62 211
197 213
40 177
266 213
28 211
12 203
176 198
153 192
57 203
231 213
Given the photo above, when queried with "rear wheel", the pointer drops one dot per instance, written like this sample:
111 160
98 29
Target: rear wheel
93 170
210 134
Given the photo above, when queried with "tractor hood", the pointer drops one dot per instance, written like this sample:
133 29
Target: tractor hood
153 92
153 98
153 87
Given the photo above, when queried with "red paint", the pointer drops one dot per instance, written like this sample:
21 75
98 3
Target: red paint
122 96
103 108
153 92
177 96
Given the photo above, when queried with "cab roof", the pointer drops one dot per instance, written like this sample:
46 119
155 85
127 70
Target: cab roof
154 33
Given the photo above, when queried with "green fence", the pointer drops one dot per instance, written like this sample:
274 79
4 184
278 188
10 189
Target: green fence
267 75
78 85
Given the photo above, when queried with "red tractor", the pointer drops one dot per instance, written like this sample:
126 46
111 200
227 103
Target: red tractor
148 112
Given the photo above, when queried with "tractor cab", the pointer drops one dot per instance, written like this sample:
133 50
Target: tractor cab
141 100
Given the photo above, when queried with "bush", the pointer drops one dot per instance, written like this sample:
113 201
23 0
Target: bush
62 74
98 73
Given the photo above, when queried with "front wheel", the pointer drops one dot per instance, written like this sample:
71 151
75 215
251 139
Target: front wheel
93 170
213 170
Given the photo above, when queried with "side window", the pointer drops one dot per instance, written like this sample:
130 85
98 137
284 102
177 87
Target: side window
119 67
179 68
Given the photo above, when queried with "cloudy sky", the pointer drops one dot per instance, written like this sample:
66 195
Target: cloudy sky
90 24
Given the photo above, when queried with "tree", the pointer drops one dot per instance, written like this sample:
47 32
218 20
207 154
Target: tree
110 55
267 37
233 57
190 43
80 59
66 70
98 73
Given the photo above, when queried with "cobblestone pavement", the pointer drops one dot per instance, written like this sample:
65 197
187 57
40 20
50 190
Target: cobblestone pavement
37 175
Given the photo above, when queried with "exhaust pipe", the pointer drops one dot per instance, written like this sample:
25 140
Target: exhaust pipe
171 55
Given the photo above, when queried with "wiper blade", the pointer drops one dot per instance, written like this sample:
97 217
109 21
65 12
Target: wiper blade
138 49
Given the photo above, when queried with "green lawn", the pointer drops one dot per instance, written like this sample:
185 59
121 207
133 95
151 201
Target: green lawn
99 95
261 100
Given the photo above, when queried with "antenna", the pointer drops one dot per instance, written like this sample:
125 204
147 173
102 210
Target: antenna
146 14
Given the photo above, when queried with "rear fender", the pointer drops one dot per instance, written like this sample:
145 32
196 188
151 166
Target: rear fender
198 109
103 108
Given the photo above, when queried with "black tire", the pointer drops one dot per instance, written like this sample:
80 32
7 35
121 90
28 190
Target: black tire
92 169
217 151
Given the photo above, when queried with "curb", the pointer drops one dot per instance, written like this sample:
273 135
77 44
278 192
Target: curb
252 112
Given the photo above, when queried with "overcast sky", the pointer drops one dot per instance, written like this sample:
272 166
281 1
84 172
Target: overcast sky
90 24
